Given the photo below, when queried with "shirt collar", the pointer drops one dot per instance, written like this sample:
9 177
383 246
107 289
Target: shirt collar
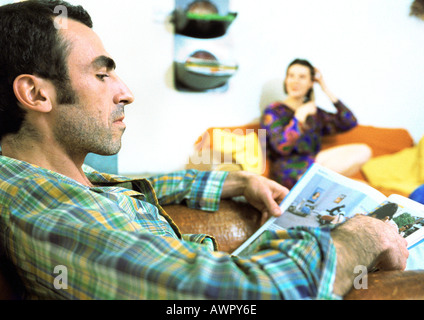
102 181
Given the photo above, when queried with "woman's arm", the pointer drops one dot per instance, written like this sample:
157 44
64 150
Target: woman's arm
341 121
320 80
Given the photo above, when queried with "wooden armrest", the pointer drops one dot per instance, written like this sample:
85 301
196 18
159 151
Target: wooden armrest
231 225
391 285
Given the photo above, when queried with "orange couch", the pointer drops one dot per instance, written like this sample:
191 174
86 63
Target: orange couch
381 140
234 227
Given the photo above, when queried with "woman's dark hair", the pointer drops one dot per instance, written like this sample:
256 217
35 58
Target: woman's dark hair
311 68
30 43
417 9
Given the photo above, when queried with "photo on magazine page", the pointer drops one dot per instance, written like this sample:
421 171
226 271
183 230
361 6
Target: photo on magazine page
404 214
326 198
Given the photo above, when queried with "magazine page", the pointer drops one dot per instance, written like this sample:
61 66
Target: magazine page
321 197
408 217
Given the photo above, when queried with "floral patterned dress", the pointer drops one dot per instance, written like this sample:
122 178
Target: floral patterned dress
292 146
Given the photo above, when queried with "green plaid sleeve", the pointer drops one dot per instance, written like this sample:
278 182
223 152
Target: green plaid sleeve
104 263
113 245
199 189
306 261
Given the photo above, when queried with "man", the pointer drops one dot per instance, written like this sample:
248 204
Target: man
60 98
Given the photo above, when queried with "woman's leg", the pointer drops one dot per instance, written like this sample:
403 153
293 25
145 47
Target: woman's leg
345 159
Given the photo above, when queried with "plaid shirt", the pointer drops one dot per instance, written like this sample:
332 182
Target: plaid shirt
114 241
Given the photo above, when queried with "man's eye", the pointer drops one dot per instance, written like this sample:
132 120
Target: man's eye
102 76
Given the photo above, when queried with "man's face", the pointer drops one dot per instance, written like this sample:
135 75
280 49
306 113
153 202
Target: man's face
94 123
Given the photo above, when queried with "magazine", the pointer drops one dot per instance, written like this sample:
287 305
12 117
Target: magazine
323 197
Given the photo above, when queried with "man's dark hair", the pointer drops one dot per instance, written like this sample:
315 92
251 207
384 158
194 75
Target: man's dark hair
30 43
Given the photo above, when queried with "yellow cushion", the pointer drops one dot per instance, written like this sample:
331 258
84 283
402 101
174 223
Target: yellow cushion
402 171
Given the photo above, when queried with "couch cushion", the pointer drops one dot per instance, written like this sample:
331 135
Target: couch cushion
402 171
381 140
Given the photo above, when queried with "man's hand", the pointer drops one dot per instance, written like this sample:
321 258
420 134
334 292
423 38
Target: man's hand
262 193
369 242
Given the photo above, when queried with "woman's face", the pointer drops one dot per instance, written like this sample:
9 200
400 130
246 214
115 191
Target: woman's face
298 81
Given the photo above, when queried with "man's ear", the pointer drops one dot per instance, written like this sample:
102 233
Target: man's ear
34 93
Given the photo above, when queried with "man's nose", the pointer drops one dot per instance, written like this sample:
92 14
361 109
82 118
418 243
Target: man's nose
124 95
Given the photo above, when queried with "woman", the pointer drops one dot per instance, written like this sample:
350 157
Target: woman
295 128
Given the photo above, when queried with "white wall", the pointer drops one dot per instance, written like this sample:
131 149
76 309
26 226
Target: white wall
370 52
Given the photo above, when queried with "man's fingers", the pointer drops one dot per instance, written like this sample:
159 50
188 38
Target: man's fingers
272 206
